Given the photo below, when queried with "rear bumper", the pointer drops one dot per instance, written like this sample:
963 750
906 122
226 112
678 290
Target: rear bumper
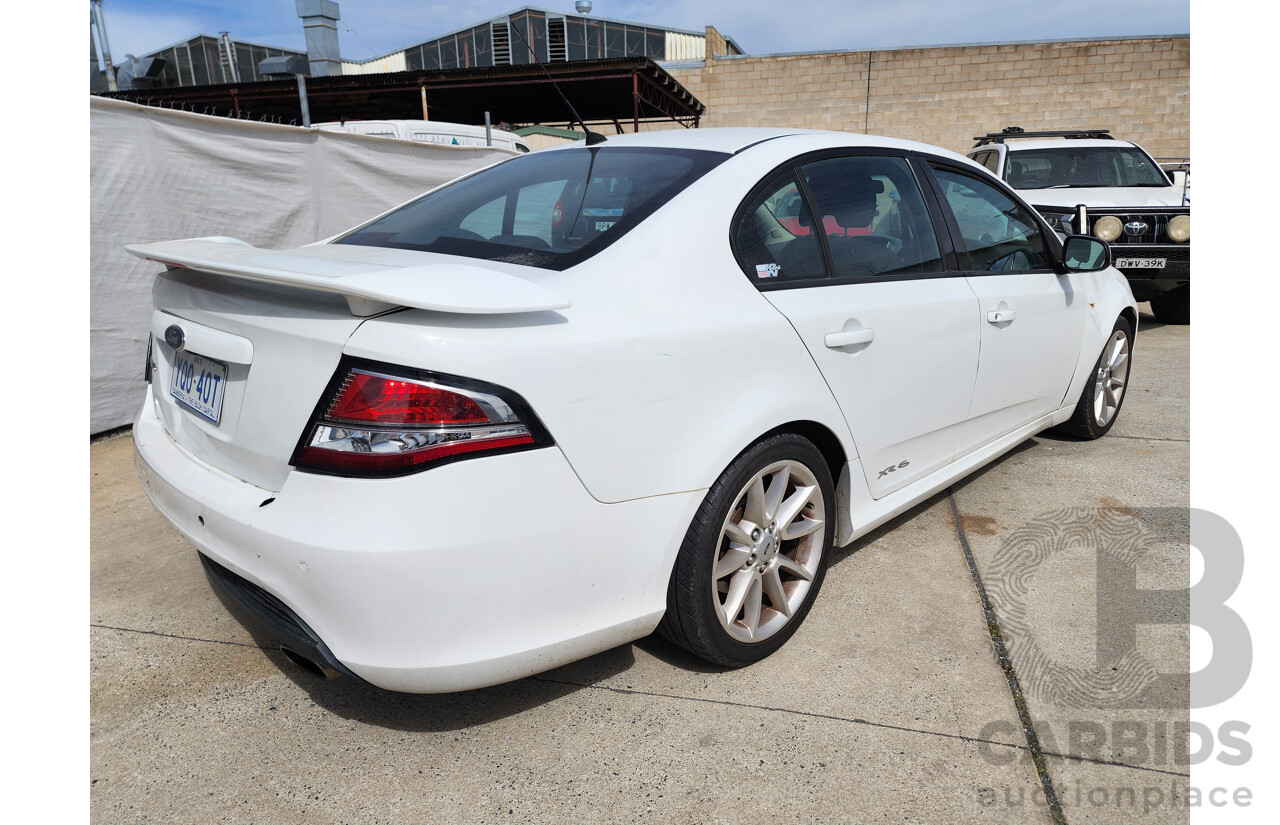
273 618
463 576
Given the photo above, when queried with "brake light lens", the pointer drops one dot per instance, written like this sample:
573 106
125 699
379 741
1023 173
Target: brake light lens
384 421
366 397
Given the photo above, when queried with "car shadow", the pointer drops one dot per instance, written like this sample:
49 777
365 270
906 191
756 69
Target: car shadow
842 553
359 701
658 647
1147 321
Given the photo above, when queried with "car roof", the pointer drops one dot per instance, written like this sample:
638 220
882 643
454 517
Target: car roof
714 140
733 140
1062 143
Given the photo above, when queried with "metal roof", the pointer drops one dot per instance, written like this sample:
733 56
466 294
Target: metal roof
513 12
235 40
614 90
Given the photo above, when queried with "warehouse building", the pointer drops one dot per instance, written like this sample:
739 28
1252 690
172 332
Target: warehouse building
513 39
550 36
204 59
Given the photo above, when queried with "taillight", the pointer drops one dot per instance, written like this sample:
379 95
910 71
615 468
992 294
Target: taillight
557 215
380 420
366 397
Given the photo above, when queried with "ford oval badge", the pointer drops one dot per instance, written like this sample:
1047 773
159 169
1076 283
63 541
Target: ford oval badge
175 337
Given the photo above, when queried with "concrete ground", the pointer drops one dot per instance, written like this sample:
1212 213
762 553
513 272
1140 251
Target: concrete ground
891 704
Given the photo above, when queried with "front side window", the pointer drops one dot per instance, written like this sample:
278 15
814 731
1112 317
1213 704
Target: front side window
545 209
1000 235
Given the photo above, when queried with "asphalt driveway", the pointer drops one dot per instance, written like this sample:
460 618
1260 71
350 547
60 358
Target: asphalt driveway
969 662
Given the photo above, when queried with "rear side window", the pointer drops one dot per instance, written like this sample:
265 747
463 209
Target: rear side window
546 209
873 216
774 239
873 223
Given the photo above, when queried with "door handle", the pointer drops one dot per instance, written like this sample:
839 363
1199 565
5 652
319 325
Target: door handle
999 316
836 340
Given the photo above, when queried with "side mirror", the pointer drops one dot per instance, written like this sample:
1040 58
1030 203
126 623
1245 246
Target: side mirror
1083 253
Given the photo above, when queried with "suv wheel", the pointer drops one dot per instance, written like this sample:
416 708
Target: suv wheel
1173 307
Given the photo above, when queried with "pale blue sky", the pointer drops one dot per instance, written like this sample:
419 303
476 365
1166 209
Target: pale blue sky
374 27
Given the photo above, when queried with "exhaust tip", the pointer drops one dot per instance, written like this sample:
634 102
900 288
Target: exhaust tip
309 665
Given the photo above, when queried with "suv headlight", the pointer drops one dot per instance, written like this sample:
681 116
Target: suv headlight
1107 228
1180 229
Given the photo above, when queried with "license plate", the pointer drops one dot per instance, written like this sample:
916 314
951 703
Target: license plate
199 383
1141 263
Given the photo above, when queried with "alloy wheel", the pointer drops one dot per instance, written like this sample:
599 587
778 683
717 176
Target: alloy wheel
769 552
1113 375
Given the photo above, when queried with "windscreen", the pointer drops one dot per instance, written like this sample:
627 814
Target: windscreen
547 209
1078 167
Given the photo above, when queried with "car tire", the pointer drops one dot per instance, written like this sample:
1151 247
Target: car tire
1104 392
755 555
1173 307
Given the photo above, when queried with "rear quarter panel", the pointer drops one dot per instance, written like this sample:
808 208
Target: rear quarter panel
666 366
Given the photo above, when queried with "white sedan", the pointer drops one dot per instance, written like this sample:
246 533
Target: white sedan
600 390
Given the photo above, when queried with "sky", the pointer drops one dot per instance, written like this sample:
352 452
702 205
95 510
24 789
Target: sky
371 28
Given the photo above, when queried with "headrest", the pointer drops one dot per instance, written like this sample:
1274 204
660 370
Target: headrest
850 199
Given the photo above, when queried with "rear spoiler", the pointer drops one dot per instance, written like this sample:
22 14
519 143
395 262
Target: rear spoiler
369 288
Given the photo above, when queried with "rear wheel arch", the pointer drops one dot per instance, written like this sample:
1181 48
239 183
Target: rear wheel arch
742 542
837 458
827 442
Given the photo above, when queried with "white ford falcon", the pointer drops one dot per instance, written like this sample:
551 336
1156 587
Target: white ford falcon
641 384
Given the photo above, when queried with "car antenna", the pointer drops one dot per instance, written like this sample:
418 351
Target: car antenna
592 137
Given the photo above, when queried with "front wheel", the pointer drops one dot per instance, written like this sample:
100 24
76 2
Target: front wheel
1103 393
755 555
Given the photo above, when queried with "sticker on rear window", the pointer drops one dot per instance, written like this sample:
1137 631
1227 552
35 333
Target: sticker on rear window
767 270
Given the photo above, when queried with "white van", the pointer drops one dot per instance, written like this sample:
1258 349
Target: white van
429 131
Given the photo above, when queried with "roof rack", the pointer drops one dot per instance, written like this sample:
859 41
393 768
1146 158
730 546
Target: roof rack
1018 132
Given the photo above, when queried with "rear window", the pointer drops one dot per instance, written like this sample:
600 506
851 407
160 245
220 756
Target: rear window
547 209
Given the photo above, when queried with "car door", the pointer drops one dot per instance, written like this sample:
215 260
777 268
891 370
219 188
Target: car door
856 266
1032 315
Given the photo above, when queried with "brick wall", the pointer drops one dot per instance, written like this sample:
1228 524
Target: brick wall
1140 89
715 45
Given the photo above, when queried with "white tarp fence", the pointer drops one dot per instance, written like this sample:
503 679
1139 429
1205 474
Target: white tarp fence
159 175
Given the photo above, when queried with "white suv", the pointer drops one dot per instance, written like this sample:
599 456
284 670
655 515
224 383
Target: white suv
1088 183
